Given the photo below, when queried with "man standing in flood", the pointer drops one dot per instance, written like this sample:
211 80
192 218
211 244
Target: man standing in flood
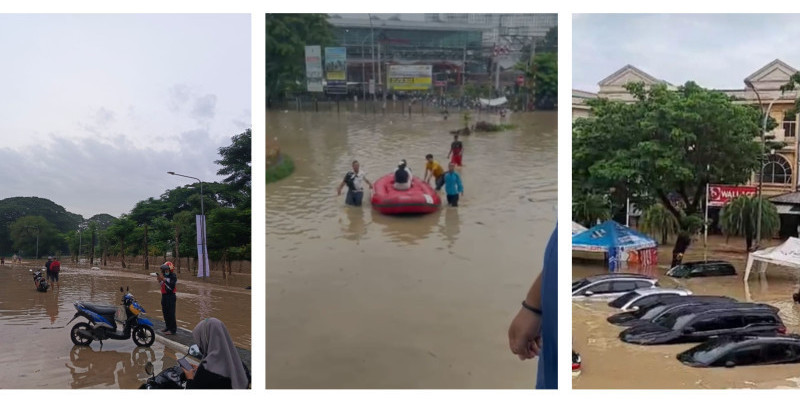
168 281
456 151
355 185
534 331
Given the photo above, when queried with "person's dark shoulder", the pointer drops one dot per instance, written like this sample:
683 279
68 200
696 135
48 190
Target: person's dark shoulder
205 379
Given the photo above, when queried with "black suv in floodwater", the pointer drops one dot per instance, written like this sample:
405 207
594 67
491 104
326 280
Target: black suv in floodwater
696 324
731 351
664 306
696 269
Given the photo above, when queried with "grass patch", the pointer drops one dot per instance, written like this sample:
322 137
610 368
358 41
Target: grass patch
281 170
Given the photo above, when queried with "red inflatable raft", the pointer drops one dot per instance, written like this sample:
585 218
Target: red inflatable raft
420 199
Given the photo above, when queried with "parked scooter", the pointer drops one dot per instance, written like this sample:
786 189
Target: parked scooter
39 281
102 324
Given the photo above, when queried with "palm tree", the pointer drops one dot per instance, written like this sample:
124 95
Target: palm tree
590 208
739 218
658 220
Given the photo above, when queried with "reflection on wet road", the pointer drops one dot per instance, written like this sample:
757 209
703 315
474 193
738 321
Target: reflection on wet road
357 299
36 351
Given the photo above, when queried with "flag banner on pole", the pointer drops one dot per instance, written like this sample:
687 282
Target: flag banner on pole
202 248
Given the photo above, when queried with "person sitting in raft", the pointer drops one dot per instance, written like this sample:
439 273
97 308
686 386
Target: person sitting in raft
402 176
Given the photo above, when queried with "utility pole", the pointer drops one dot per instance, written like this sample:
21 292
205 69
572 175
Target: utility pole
372 39
497 55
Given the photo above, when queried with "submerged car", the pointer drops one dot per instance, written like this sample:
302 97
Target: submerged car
731 351
696 324
645 297
610 286
663 306
702 268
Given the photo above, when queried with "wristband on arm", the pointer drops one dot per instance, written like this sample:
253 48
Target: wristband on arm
531 308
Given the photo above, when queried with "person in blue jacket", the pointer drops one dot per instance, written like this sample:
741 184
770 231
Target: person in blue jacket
534 331
452 185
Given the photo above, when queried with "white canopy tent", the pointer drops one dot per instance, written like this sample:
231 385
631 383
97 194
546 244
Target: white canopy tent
494 102
787 255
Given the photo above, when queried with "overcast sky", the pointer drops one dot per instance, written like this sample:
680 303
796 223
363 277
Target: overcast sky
96 108
715 50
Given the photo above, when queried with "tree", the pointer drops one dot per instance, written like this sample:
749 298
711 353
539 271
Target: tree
587 209
657 220
236 162
545 80
666 146
33 233
739 218
287 36
120 233
230 237
794 82
549 44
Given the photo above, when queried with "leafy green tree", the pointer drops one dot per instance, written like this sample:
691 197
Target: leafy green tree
545 80
657 220
739 218
25 231
287 36
794 82
666 146
121 235
230 237
587 209
235 162
550 42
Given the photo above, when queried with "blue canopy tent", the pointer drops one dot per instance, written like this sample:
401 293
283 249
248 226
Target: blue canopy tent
627 249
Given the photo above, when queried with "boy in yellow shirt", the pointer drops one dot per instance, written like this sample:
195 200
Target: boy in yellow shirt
436 171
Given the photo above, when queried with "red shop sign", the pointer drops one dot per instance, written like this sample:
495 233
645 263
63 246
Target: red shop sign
719 195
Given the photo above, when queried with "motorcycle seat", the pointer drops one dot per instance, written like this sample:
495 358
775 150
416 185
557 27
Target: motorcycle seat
101 309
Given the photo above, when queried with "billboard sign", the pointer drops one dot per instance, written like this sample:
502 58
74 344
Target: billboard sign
336 69
409 77
719 195
314 68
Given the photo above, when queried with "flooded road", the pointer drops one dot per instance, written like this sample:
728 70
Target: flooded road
356 299
610 363
36 351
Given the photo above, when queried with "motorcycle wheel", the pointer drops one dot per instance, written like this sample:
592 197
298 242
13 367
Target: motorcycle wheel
143 336
77 338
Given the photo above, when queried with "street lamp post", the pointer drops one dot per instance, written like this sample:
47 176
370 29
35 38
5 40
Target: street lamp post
763 151
202 227
372 51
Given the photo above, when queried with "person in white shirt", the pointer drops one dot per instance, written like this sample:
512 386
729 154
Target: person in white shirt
355 185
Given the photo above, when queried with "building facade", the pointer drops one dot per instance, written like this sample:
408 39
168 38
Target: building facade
460 47
780 169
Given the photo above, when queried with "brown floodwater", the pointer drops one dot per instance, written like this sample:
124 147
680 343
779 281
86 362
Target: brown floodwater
357 299
609 363
36 350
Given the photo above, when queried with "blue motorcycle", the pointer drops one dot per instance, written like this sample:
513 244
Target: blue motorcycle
102 325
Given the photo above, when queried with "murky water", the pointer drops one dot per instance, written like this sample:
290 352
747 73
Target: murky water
610 363
356 299
36 350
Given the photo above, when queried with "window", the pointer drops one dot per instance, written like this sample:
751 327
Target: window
653 299
778 352
776 170
747 355
718 323
789 128
643 284
698 271
624 286
602 287
759 320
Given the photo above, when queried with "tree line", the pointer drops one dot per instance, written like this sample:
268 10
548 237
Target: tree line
160 228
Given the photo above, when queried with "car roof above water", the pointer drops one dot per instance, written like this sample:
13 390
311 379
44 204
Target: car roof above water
723 307
603 277
709 262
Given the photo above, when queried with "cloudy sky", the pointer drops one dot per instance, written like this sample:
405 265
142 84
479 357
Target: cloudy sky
715 50
96 108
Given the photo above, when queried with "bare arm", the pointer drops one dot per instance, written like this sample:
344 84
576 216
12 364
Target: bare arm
524 336
368 182
534 297
339 189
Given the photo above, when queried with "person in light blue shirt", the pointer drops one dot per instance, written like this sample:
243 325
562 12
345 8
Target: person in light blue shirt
452 185
534 331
